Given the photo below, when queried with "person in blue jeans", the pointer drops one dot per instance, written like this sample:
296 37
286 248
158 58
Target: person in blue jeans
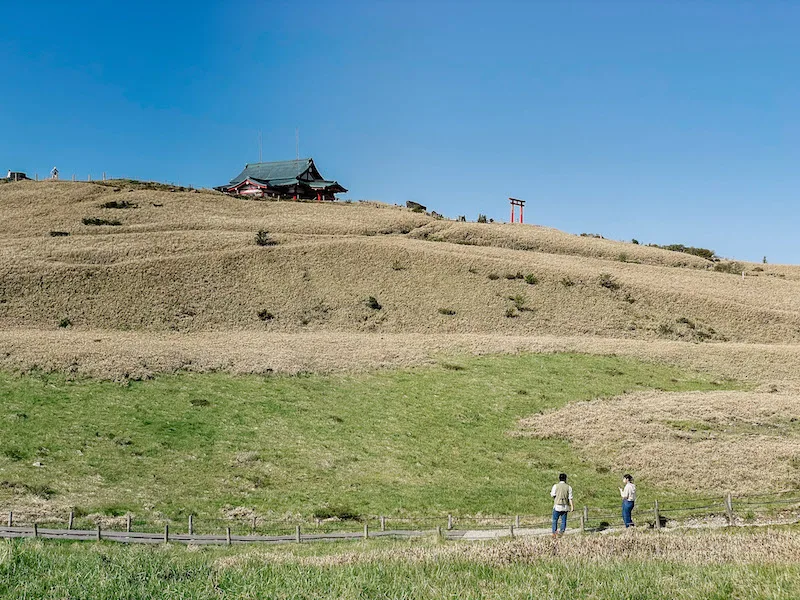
562 503
628 494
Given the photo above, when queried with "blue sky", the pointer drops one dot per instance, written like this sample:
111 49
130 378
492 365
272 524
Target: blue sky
668 122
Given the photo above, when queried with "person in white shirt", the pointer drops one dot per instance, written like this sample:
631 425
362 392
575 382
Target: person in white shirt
562 495
628 494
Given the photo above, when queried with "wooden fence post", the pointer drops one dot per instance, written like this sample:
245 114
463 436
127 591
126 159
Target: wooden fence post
255 520
439 530
128 523
99 533
228 535
35 530
10 518
511 531
71 519
583 524
297 534
366 530
729 508
449 522
383 523
658 515
191 524
516 521
166 533
586 513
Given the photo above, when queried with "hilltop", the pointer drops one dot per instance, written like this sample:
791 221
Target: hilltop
138 261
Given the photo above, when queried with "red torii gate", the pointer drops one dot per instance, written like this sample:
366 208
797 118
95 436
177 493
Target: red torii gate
514 203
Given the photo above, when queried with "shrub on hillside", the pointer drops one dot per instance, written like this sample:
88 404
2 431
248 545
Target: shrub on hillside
373 303
493 276
732 267
262 239
265 315
59 233
481 218
531 279
607 281
701 252
119 204
96 221
447 311
567 282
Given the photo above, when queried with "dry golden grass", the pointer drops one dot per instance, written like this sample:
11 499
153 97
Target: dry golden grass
692 441
121 355
186 262
763 547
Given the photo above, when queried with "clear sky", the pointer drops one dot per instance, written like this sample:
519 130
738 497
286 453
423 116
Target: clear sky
668 122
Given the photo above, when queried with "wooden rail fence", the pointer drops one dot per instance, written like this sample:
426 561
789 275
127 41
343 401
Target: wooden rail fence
781 507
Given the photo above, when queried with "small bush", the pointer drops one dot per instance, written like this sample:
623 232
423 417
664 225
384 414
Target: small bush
511 313
531 279
758 269
336 512
481 218
447 311
701 252
373 303
685 321
608 282
635 241
397 265
516 275
119 204
732 267
622 257
262 239
593 235
519 301
567 282
472 270
59 233
199 402
265 315
64 322
96 221
493 276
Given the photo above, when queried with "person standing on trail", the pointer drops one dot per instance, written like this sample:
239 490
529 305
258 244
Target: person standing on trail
628 494
562 494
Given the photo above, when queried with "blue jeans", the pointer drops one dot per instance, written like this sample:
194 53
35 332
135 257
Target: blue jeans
559 514
627 507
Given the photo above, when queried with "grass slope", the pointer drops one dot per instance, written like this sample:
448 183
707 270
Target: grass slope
640 566
418 441
187 262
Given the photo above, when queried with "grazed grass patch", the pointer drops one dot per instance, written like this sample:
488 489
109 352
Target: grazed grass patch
415 441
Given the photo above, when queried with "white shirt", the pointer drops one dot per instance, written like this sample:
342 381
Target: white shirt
629 493
561 507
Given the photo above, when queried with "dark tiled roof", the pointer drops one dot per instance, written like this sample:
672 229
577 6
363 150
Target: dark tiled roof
268 171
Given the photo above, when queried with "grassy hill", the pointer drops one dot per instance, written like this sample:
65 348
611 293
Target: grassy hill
186 261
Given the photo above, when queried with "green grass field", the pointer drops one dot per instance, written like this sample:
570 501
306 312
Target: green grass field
365 570
412 442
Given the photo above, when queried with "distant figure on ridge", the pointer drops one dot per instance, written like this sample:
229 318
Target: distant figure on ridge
562 494
628 494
